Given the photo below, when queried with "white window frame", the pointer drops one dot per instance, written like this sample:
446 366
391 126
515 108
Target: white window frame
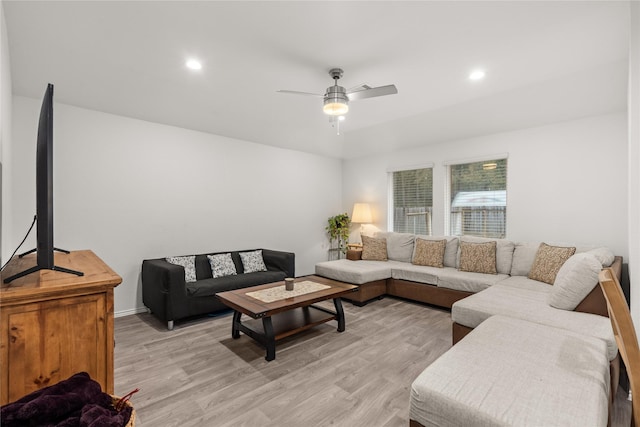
447 182
390 198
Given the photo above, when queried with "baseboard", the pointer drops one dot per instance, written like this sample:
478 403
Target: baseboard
130 312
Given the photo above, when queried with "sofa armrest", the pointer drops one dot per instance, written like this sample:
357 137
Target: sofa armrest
162 285
280 261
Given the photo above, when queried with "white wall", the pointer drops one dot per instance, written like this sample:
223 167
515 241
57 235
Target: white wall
634 162
131 190
6 239
567 182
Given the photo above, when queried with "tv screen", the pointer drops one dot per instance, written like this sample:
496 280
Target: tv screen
44 194
44 182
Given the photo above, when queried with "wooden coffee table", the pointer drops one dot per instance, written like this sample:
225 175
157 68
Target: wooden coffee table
273 321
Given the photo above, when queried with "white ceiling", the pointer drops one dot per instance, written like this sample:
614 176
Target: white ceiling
545 62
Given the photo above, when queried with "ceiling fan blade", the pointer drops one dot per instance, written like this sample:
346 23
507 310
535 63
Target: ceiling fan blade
358 88
370 93
295 92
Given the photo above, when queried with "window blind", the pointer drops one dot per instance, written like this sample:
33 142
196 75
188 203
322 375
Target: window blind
478 198
412 200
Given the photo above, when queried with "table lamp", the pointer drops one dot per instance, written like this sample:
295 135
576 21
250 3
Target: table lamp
361 215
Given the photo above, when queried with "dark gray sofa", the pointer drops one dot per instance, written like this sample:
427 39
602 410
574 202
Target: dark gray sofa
169 298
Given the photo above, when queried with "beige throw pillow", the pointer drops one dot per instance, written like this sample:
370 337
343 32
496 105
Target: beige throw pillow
548 261
374 249
429 252
478 257
575 280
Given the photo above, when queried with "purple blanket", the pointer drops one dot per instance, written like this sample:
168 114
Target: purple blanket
75 402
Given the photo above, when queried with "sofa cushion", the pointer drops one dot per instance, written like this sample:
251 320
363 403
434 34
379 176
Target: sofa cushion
429 252
526 283
513 372
504 251
222 265
399 245
450 251
523 255
189 264
530 304
415 273
604 255
209 287
252 261
374 249
575 279
451 278
548 261
478 257
355 272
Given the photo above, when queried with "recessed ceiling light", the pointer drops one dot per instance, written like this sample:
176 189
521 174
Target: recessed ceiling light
194 64
477 75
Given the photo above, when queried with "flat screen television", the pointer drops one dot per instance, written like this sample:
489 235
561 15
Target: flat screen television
44 194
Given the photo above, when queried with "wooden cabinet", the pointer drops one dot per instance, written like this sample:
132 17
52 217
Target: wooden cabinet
54 324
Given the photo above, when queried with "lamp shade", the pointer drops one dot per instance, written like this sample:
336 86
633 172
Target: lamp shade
361 213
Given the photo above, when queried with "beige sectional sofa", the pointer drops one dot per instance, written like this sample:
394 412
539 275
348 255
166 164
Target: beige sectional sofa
398 276
512 372
540 347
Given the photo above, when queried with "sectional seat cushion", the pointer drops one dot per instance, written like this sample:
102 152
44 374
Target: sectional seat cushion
451 278
450 250
510 298
500 375
575 280
525 283
356 272
415 273
504 251
399 245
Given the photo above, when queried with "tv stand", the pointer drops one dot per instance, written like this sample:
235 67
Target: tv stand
38 268
53 325
35 249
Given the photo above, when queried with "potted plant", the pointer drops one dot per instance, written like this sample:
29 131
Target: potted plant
338 230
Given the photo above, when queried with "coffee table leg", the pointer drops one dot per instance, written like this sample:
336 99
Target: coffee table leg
270 339
235 331
339 314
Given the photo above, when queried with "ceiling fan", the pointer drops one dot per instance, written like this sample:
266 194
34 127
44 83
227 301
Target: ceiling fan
336 98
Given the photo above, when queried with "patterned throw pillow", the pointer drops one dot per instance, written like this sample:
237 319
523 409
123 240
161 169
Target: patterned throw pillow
222 265
374 249
252 261
548 261
478 257
429 252
189 264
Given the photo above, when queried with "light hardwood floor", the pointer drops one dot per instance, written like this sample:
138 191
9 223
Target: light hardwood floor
197 375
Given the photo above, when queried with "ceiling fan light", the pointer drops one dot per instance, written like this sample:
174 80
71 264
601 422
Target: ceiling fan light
335 108
336 102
